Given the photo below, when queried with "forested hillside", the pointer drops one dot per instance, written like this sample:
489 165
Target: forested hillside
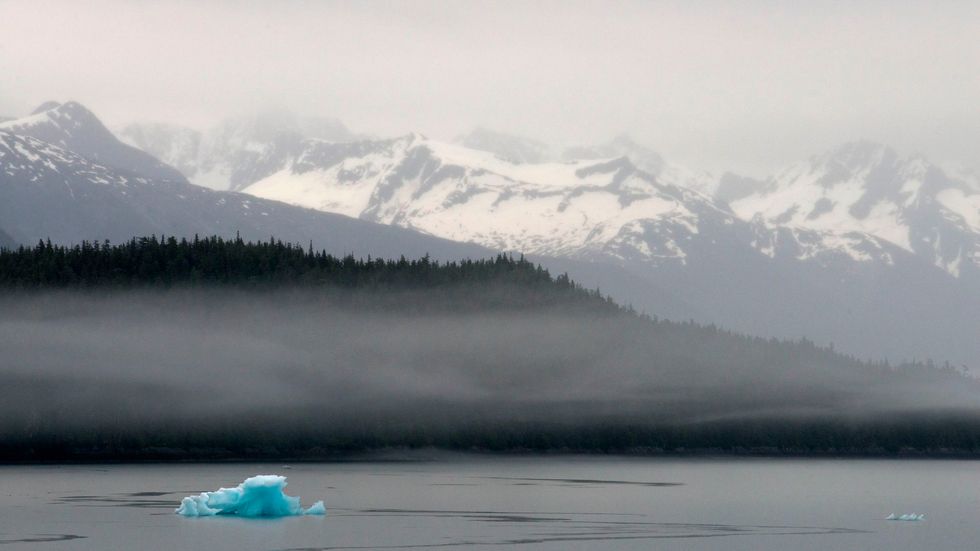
207 348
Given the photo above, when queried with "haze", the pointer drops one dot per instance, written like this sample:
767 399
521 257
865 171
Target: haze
136 358
746 87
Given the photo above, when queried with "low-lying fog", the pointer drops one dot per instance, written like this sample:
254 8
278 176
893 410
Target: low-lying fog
85 360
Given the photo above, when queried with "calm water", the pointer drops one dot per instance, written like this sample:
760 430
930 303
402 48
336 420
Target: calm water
509 503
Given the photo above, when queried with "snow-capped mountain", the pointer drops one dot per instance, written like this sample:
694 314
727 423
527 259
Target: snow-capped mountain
606 209
578 209
520 150
70 126
650 239
236 152
647 160
866 189
849 286
48 191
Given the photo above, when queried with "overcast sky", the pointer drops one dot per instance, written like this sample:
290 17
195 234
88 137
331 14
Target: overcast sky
747 85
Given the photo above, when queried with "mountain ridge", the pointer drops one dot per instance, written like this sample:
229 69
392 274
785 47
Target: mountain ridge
960 250
47 192
663 247
869 188
73 127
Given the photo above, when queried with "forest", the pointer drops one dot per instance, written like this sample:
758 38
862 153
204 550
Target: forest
160 348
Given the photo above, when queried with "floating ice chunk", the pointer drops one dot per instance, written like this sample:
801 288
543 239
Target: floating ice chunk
258 496
907 516
316 509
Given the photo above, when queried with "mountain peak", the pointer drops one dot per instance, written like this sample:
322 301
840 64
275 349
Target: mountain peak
74 114
56 116
62 124
46 106
73 127
73 107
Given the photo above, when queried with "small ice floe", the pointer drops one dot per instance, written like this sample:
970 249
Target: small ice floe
258 496
907 516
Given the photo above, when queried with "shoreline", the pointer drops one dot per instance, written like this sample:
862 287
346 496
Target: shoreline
410 455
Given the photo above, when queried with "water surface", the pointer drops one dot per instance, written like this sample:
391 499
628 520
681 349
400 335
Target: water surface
511 503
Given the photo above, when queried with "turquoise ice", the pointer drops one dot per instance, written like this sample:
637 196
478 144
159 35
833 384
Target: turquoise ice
258 496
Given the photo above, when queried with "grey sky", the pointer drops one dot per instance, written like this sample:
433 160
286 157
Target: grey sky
747 85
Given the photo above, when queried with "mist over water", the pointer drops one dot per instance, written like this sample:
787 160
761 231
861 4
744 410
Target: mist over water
125 362
386 350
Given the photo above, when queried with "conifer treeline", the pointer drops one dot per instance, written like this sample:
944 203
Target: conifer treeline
689 366
152 261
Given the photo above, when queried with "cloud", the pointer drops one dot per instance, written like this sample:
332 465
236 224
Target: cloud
745 86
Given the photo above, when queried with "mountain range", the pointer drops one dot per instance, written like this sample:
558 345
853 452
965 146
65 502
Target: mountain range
236 152
860 247
867 189
65 177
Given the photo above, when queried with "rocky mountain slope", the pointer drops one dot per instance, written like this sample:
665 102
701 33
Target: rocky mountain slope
851 286
48 191
864 188
72 127
596 210
882 268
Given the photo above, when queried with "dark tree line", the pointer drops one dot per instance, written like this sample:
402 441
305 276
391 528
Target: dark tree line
696 378
167 261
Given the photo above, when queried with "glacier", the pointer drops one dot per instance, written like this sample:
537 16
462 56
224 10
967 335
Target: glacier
257 496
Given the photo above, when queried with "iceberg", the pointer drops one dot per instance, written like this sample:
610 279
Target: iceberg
258 496
907 516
